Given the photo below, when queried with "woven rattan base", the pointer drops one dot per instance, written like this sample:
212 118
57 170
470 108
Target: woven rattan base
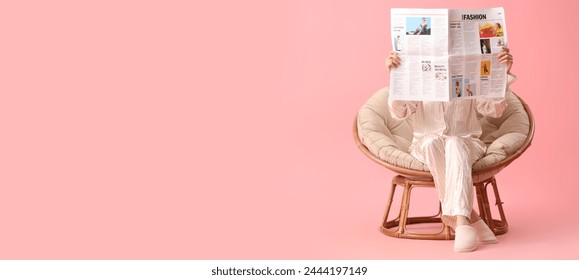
398 226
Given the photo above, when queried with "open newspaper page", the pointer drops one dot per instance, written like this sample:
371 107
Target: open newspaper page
420 36
476 39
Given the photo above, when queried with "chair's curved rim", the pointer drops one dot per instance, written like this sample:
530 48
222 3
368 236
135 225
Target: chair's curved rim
419 173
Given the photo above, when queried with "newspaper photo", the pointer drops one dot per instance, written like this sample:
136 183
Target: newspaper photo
448 54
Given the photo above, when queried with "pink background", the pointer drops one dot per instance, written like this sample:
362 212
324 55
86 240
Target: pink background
222 130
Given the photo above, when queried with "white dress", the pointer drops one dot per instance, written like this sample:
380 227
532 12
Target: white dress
446 139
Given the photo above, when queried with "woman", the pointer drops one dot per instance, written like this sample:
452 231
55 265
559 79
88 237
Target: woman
446 139
422 28
398 43
499 30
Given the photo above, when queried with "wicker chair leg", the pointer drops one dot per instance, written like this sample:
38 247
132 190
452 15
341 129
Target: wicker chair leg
483 202
501 226
497 226
404 207
479 188
398 226
389 205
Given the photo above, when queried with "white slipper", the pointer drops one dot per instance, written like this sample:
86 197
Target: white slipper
483 233
464 239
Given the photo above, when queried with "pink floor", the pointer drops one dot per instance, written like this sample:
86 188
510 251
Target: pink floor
337 217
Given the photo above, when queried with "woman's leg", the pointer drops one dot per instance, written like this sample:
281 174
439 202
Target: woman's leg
450 161
459 194
458 201
439 154
429 149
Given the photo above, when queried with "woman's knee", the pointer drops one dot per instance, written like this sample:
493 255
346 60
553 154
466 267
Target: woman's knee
430 141
455 142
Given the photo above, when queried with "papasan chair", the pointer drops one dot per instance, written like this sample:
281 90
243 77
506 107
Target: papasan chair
386 140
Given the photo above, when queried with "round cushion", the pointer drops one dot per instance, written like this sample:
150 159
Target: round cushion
389 139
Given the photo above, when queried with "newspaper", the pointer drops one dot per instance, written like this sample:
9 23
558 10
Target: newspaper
448 54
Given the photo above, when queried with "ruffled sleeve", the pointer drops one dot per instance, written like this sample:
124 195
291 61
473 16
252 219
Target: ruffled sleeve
400 109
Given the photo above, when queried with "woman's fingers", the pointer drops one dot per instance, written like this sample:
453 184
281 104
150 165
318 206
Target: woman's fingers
393 60
505 57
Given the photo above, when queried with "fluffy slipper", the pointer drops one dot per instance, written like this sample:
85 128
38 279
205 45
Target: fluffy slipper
464 239
483 233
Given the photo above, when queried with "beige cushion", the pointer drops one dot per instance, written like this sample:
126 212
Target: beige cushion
389 139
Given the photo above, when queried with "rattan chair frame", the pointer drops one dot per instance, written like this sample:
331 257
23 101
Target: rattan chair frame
409 178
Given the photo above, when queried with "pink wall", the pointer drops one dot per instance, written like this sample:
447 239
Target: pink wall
222 130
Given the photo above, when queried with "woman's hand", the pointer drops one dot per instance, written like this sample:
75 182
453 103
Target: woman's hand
506 57
393 60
